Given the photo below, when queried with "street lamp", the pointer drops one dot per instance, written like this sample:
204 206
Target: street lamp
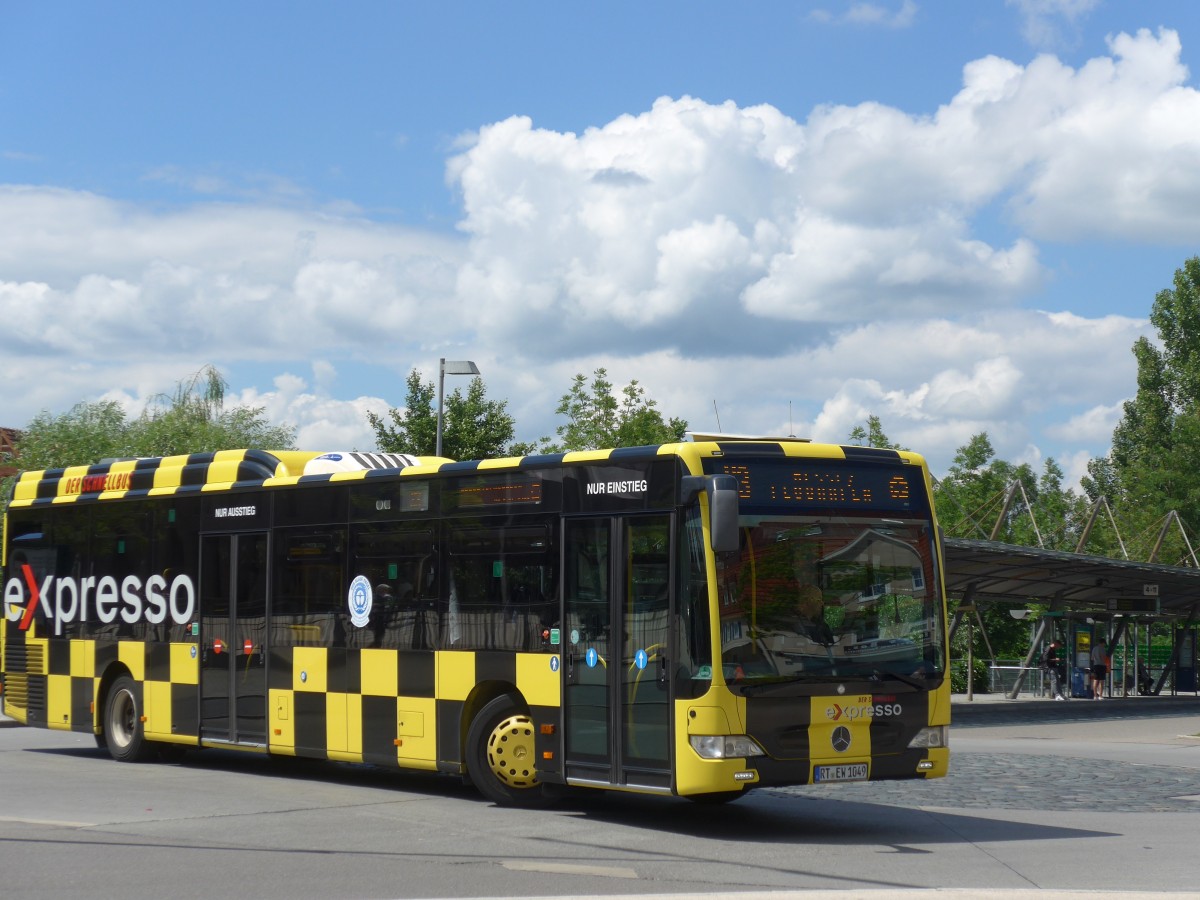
449 367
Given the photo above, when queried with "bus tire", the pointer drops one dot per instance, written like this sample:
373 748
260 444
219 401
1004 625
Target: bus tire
123 731
501 754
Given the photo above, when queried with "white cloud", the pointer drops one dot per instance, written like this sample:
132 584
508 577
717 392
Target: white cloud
867 13
1094 425
1122 147
321 420
219 282
1052 23
647 229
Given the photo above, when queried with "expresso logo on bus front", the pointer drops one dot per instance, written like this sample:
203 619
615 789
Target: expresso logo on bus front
865 707
65 600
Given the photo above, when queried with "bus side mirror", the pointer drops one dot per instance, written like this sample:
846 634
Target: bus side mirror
723 511
722 493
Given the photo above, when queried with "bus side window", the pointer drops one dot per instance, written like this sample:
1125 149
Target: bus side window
308 594
399 563
502 587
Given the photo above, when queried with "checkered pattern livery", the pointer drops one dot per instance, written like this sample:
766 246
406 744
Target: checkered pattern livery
389 707
385 706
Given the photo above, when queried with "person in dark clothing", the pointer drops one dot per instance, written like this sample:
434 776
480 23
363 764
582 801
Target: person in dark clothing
1052 663
1099 668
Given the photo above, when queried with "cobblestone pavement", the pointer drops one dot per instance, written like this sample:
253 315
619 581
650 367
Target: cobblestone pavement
1033 781
1029 781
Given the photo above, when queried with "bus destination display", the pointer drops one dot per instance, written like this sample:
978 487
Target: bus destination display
782 483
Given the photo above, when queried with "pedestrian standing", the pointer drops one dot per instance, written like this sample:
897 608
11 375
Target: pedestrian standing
1052 664
1099 668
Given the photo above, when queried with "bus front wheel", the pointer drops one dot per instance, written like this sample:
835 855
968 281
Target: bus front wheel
123 732
501 754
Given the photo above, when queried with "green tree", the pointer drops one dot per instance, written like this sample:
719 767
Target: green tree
1154 464
872 436
473 427
193 419
597 419
1042 513
1060 513
85 433
970 496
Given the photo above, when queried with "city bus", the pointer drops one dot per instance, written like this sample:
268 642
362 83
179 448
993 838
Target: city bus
695 619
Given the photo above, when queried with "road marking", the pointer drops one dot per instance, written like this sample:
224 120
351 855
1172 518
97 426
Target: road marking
521 865
55 822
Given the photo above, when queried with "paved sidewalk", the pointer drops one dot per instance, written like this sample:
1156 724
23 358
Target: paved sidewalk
997 709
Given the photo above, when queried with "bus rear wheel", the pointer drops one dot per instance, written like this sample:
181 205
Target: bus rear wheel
123 732
502 756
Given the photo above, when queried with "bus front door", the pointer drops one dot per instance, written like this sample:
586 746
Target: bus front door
233 606
616 690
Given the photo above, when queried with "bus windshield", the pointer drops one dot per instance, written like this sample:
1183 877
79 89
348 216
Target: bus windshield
817 599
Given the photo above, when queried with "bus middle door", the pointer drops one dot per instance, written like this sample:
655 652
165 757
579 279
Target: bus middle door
616 694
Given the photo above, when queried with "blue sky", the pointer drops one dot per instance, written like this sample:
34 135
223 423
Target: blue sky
951 215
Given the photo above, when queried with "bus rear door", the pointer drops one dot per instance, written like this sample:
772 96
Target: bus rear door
233 606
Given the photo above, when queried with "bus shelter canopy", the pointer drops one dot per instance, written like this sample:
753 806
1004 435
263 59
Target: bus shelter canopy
990 571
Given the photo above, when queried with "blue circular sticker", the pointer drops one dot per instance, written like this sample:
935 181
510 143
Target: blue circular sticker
640 659
554 664
592 657
359 599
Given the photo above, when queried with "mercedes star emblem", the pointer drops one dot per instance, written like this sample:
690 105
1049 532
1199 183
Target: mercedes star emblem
841 739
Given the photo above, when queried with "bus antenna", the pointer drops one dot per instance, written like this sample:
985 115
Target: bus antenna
717 414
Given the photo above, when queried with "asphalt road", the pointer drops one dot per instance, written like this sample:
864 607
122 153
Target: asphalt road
1069 799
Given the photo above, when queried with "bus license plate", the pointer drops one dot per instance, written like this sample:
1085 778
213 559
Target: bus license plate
848 772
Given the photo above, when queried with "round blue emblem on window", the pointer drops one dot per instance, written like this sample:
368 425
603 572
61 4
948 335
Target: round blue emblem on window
359 599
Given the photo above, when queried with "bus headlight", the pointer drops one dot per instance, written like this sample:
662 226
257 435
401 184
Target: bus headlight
725 746
930 736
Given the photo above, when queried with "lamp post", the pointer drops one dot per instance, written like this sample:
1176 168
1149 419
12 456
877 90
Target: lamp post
449 367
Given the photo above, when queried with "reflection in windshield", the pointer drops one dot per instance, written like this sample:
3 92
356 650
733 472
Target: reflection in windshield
816 599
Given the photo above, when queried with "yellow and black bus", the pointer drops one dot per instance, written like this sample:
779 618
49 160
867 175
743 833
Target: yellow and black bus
694 619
